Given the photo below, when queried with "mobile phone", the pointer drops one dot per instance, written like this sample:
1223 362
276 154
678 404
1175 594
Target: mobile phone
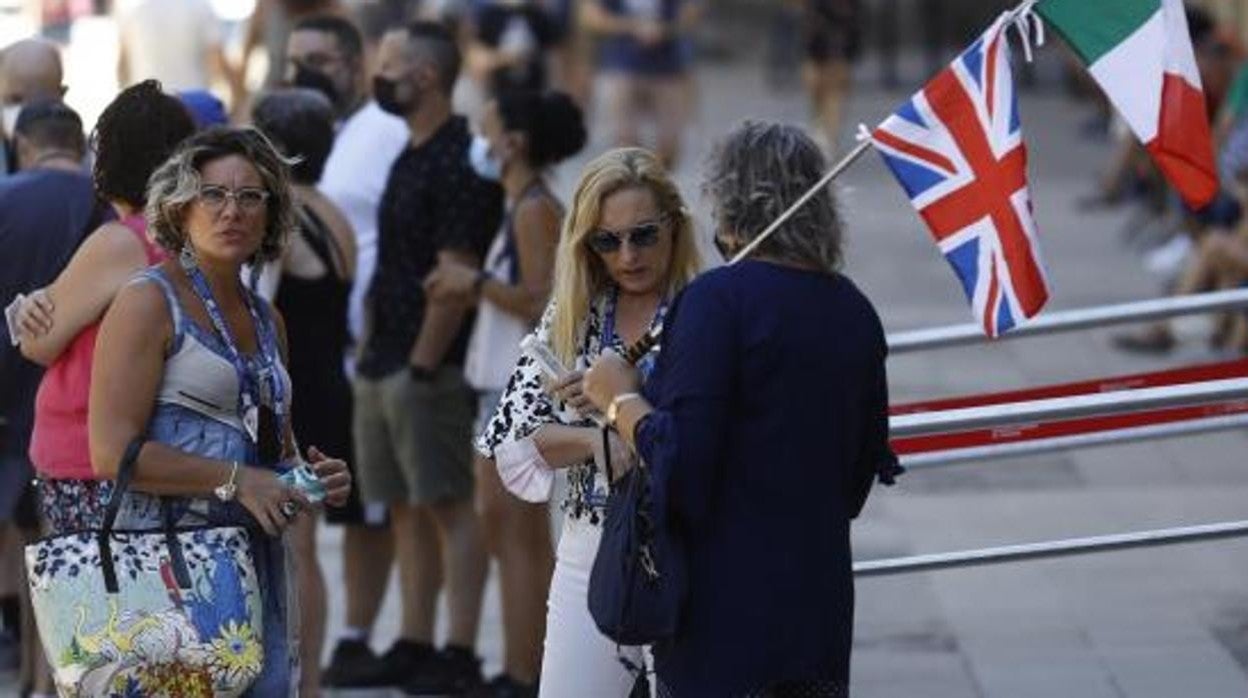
544 356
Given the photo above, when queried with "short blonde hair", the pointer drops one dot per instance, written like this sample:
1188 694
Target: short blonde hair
174 186
580 275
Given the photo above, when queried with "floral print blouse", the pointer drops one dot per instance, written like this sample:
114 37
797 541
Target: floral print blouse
526 407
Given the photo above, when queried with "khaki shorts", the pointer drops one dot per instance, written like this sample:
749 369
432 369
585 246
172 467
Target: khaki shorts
413 439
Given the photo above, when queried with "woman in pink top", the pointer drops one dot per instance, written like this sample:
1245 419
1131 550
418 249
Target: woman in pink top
134 135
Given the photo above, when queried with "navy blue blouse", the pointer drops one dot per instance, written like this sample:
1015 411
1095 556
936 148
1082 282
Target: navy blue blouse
770 424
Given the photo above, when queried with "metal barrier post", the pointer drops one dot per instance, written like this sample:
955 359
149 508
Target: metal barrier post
958 456
1049 549
1066 407
1070 320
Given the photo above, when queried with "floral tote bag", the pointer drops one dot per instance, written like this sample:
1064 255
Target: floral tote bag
171 612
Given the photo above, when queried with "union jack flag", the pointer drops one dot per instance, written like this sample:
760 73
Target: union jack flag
957 149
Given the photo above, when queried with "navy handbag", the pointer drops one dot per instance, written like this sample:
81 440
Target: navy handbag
639 578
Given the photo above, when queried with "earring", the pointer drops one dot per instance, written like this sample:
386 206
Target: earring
187 256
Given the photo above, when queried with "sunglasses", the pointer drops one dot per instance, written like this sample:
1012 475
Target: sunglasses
639 236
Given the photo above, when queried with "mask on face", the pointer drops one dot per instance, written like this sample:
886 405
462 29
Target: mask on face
9 116
385 91
312 79
483 162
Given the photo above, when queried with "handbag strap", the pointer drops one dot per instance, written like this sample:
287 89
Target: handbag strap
125 474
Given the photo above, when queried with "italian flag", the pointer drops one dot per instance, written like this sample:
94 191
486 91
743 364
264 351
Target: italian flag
1140 53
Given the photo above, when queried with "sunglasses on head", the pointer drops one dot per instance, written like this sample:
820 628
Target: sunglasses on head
639 236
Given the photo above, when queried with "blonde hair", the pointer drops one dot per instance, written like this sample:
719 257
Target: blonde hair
580 275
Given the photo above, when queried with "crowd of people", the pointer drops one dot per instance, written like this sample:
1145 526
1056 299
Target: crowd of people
1190 251
339 271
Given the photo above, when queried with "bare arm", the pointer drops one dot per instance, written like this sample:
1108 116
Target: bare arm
562 446
595 18
123 62
537 235
339 227
221 68
482 59
83 291
443 319
128 368
255 34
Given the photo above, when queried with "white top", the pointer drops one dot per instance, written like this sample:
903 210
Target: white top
169 40
355 175
495 344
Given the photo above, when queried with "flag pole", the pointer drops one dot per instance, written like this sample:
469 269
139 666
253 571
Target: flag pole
648 341
844 164
641 347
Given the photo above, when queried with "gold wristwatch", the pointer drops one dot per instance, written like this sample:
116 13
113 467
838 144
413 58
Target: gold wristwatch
613 409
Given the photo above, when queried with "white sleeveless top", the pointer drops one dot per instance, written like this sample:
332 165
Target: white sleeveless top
495 344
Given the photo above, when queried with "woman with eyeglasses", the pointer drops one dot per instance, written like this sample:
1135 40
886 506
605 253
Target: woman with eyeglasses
626 249
763 427
194 362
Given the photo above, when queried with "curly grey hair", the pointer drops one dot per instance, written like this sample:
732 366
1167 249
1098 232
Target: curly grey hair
175 185
756 173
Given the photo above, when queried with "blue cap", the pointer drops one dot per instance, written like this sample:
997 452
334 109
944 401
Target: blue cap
206 110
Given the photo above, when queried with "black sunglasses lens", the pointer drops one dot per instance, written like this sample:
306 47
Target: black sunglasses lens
644 235
604 242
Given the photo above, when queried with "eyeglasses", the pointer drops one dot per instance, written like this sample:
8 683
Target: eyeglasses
248 199
639 236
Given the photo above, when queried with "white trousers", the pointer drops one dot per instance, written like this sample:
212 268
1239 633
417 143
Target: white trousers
579 661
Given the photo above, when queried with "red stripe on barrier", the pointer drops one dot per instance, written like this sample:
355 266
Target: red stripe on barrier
1070 427
1136 381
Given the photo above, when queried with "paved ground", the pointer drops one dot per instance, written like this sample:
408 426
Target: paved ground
1161 623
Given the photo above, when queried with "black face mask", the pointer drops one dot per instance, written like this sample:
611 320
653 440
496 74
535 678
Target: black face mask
385 91
313 79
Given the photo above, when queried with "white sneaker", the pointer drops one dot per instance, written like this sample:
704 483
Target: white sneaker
1167 259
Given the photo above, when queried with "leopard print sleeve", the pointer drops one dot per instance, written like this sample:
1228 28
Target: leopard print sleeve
525 407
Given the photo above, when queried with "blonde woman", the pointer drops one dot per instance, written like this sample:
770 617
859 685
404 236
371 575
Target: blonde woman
626 249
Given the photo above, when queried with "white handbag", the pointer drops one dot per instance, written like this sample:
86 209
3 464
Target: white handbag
170 612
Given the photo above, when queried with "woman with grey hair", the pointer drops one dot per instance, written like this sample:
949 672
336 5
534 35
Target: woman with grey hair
763 426
195 363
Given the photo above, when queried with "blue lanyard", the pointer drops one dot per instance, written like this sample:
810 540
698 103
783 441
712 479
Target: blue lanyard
607 338
249 387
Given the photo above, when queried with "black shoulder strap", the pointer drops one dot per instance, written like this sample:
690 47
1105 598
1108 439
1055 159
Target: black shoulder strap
320 238
125 473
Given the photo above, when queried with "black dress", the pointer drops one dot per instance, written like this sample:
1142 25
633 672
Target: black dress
315 311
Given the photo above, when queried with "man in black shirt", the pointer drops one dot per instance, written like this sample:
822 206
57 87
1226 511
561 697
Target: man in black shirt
413 409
